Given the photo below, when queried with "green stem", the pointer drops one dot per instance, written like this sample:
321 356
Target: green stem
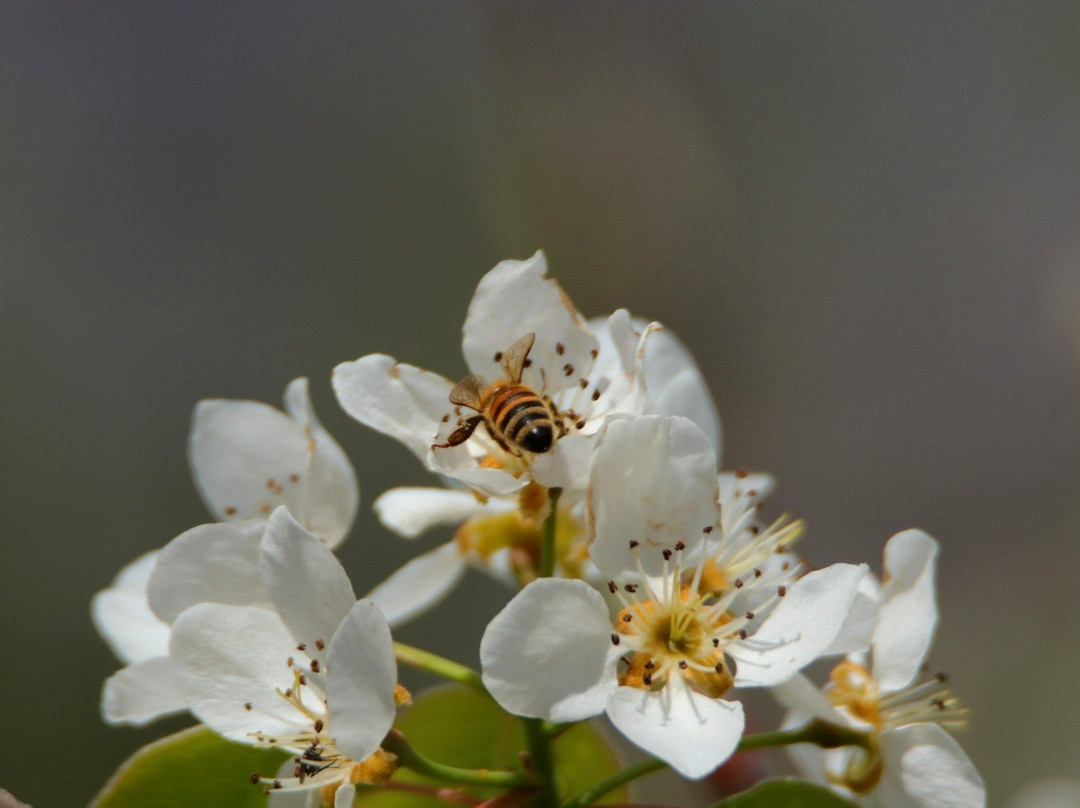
542 762
440 666
411 759
547 535
821 733
608 784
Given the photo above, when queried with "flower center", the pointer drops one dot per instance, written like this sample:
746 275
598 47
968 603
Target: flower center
853 690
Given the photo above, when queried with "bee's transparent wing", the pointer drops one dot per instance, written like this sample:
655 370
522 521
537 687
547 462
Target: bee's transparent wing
467 392
515 356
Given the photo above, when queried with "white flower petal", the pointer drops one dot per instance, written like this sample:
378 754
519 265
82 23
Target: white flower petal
925 768
513 299
566 465
419 585
329 494
653 480
809 759
619 372
344 796
690 731
458 463
673 382
123 617
400 400
858 629
412 511
754 486
293 798
908 611
801 696
248 457
227 657
215 563
141 693
361 681
800 628
307 584
548 653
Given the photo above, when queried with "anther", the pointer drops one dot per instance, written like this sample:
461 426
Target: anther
612 588
757 573
560 349
683 665
741 472
646 679
707 529
595 395
749 615
754 530
580 424
527 363
633 543
568 370
320 644
752 492
719 667
594 353
277 784
230 511
294 478
716 642
584 383
941 677
288 662
301 646
628 618
288 693
667 554
781 590
303 679
738 583
615 639
255 778
314 666
631 588
742 633
650 665
680 545
498 356
247 705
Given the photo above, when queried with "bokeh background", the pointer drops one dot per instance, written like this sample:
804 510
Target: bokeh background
861 216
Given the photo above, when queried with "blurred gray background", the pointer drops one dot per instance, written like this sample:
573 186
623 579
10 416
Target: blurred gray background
861 216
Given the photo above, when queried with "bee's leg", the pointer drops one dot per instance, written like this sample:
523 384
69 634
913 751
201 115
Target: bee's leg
461 434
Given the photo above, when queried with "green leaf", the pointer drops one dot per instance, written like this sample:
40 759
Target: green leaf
786 792
195 768
461 727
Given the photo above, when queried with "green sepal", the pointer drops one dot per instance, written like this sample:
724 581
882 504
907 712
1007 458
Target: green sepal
195 768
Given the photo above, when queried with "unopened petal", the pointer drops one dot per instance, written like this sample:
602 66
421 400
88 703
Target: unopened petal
141 693
800 628
513 299
548 653
925 768
215 563
420 585
907 615
690 731
654 481
361 682
399 400
566 465
307 584
410 512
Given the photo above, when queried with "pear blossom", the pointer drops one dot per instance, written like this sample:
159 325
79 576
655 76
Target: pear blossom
910 761
514 299
661 667
500 535
312 671
245 456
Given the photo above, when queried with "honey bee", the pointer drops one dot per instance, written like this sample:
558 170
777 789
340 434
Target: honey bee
516 416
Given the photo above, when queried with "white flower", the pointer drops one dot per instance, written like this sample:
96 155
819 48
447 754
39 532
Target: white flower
913 762
565 364
660 669
500 536
312 671
245 456
248 458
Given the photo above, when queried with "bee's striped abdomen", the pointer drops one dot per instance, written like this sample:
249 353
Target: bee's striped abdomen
522 419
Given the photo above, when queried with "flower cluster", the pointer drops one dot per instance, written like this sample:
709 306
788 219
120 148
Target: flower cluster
579 463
